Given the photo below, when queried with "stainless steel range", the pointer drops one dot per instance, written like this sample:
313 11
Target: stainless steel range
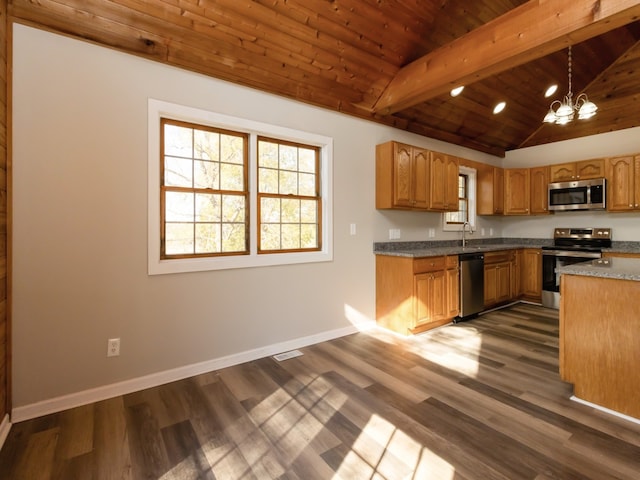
570 245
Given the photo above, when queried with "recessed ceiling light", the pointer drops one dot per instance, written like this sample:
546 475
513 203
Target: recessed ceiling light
550 91
457 91
499 107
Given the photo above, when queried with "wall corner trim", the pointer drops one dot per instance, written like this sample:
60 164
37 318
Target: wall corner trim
57 404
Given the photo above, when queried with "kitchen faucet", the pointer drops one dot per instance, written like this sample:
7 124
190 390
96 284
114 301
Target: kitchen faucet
464 227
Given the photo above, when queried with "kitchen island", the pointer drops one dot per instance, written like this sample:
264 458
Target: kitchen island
600 332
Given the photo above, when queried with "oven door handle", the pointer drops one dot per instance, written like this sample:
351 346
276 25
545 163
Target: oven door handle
571 253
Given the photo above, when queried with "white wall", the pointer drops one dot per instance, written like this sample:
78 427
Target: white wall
625 226
80 217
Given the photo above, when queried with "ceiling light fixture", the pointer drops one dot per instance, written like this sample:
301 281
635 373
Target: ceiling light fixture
457 91
499 107
567 109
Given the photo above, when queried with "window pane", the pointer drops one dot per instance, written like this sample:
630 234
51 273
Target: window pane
206 145
231 177
207 238
179 207
207 208
178 172
308 236
270 236
270 210
178 141
309 211
288 183
268 154
288 157
290 236
268 180
178 238
290 211
233 237
307 184
231 149
307 160
233 208
206 175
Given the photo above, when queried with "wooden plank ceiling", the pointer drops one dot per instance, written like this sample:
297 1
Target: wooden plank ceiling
360 56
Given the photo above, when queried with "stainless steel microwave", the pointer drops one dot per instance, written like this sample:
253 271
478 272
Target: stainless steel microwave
578 195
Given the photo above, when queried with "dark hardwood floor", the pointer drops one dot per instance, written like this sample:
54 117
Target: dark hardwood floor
477 400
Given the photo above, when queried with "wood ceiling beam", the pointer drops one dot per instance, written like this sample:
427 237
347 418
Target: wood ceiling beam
531 31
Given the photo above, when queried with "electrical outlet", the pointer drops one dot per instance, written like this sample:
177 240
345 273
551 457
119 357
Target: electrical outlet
432 232
394 233
352 229
113 347
482 232
491 232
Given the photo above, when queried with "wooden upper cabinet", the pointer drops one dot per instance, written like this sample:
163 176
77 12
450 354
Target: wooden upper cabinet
539 190
623 179
582 170
490 191
402 176
517 191
443 189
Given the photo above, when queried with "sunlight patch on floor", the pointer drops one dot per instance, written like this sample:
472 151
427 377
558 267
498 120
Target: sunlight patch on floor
462 359
382 451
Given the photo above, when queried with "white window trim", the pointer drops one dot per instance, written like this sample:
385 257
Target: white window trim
471 189
159 109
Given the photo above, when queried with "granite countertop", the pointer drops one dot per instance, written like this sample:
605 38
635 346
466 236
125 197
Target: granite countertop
435 248
419 249
615 268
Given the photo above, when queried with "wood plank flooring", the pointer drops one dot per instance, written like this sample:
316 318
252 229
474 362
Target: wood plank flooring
477 400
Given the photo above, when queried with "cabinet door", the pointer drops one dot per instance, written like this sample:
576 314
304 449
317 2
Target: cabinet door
430 297
453 292
420 174
539 190
438 173
503 282
562 172
498 191
517 188
621 184
532 273
452 172
587 169
516 274
402 176
490 285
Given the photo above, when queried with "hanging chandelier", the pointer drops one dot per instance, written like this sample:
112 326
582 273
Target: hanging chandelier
566 109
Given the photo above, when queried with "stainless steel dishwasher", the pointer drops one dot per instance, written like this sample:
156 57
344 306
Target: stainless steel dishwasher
471 285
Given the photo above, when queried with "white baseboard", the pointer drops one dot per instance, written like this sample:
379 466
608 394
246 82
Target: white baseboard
53 405
5 426
606 410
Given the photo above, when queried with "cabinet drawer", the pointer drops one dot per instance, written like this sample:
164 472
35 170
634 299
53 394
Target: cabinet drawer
429 264
452 261
498 257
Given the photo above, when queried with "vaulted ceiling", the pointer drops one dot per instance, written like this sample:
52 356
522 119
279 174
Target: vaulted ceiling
391 61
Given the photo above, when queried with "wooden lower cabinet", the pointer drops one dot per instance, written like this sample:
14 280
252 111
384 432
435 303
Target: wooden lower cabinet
453 287
414 295
497 277
532 274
